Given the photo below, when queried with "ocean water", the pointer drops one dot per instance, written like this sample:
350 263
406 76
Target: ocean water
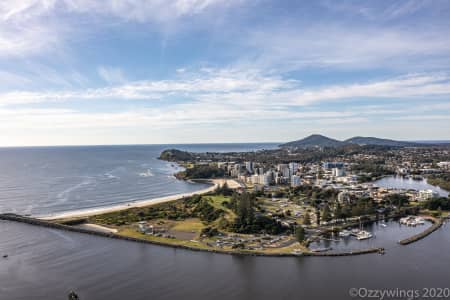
46 180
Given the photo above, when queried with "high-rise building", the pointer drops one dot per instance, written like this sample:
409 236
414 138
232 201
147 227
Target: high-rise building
260 171
338 172
293 167
249 166
295 181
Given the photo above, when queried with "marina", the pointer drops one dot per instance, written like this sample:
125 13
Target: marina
383 234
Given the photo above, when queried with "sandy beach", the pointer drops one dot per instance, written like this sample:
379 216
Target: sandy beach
122 206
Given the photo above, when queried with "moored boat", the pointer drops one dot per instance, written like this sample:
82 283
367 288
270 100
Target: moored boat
344 233
363 235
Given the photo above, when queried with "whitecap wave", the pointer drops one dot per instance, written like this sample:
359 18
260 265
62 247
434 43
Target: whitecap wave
146 174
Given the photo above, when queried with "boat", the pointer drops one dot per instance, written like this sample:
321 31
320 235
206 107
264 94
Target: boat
344 233
412 221
363 235
355 231
383 224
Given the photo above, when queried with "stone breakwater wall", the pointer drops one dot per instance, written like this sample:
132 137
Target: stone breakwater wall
437 223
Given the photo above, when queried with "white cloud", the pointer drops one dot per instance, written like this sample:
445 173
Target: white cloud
249 87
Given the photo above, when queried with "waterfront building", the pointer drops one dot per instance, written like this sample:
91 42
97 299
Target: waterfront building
425 195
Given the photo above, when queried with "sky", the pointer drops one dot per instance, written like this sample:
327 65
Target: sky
83 72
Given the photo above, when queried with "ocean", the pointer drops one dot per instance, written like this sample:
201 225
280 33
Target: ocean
44 180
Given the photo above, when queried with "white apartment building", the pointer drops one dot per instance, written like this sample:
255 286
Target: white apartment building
425 195
295 181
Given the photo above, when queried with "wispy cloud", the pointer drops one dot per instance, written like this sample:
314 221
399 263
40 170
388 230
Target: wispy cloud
250 87
111 75
224 97
29 27
346 47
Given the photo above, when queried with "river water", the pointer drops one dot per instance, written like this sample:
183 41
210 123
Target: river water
45 264
399 182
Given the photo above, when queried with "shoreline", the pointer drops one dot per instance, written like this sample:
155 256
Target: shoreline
109 234
82 213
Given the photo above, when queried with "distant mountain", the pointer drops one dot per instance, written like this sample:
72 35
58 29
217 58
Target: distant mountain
314 140
317 140
361 140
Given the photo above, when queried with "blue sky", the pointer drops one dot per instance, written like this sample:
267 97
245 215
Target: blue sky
193 71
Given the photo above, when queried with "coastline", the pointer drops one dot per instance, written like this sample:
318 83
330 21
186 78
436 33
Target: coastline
141 203
112 235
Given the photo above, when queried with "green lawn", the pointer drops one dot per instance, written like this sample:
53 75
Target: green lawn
189 225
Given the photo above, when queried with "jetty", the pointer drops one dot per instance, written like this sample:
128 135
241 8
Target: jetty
437 223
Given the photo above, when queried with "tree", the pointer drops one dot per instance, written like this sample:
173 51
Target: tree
356 211
338 212
326 215
397 199
224 190
307 219
300 234
317 216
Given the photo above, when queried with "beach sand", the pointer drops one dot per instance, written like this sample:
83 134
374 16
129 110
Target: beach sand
123 206
98 228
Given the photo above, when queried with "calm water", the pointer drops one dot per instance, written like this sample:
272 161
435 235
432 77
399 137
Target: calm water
385 237
408 183
46 264
46 180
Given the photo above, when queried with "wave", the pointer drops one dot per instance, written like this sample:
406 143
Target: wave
147 174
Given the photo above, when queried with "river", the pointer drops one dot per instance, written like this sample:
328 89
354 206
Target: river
399 182
46 263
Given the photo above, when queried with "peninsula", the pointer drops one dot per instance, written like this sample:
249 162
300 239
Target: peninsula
282 201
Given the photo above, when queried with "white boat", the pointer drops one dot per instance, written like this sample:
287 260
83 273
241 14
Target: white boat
383 224
355 231
363 235
412 221
344 233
